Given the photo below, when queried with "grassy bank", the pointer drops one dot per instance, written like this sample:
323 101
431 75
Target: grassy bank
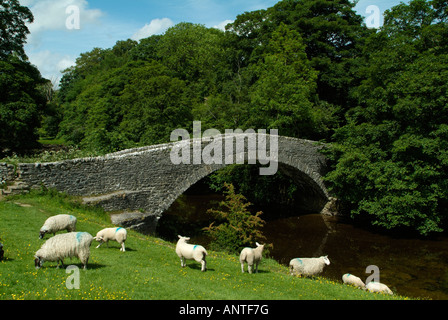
149 269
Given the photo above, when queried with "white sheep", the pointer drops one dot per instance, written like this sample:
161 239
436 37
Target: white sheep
58 223
308 266
190 251
72 244
117 234
373 286
251 257
353 280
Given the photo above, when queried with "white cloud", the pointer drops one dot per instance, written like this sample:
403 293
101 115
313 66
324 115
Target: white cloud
156 26
53 15
222 25
51 64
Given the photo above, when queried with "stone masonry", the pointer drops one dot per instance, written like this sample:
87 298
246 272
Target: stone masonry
142 183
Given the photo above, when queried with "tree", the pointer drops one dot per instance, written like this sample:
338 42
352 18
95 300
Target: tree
13 30
21 104
281 96
22 99
239 227
391 161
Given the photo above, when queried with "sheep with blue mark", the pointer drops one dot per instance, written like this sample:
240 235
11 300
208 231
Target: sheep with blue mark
116 234
66 245
252 256
308 267
58 223
353 280
184 250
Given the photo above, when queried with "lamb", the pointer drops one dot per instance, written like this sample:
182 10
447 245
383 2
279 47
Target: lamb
58 223
353 280
189 251
117 234
308 266
373 286
72 244
252 257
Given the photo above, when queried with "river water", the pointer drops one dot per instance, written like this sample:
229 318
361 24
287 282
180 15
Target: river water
411 267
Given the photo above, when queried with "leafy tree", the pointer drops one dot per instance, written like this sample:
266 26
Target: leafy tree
22 99
20 105
280 97
13 29
239 227
391 159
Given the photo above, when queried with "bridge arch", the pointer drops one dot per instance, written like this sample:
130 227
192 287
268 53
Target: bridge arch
144 182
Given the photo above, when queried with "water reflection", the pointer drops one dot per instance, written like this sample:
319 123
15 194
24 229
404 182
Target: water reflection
412 267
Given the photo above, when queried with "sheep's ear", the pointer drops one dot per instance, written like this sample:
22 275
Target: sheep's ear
180 237
257 244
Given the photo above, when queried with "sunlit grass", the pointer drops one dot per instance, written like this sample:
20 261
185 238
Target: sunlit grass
149 269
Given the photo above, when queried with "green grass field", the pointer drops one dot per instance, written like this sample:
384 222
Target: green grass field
149 269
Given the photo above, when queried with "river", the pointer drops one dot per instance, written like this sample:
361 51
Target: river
412 267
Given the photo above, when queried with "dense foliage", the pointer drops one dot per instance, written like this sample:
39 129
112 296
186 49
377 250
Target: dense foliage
22 88
237 227
391 156
309 68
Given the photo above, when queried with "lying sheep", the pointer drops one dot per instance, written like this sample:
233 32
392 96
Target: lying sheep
190 252
72 244
252 257
373 286
353 280
308 266
116 234
58 223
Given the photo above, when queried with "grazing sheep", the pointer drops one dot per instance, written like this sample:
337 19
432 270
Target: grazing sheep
373 286
72 244
58 223
252 257
1 252
189 251
308 266
353 280
116 234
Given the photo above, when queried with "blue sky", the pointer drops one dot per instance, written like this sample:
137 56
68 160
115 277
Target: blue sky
52 46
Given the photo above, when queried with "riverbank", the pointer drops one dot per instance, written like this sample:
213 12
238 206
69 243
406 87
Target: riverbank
148 270
412 266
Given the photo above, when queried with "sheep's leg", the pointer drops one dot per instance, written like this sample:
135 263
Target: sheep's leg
182 262
101 242
122 247
249 268
256 267
242 267
204 265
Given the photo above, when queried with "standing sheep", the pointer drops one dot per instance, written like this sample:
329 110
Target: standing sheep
308 266
190 252
117 234
58 223
72 244
373 286
353 280
252 257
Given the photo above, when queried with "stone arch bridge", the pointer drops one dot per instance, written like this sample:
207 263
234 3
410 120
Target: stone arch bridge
139 184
